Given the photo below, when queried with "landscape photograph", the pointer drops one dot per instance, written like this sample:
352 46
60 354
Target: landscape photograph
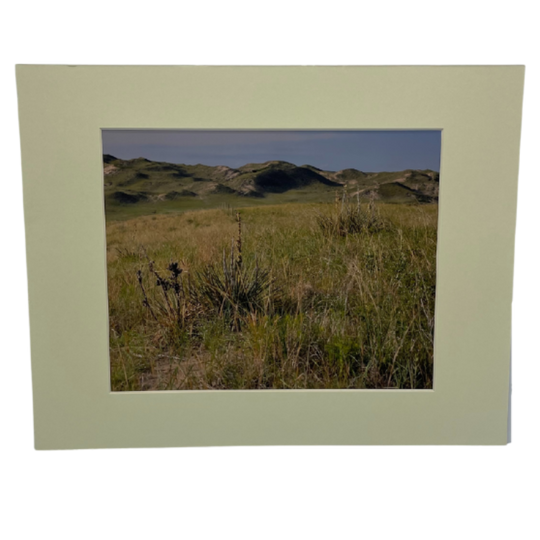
253 260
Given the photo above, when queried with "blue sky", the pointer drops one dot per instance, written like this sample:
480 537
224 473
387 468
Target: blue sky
370 151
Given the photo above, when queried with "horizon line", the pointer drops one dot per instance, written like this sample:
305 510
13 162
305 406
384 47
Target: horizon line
268 161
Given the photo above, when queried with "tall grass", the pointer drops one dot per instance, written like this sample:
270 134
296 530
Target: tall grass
234 288
212 300
349 216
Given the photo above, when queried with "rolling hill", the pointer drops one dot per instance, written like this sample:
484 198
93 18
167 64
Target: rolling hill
141 181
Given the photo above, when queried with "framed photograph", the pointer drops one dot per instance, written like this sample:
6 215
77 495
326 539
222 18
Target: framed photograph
270 255
231 269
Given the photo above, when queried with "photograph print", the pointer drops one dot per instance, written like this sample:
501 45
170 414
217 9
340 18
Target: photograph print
253 260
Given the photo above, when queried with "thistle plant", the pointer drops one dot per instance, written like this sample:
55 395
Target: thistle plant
174 302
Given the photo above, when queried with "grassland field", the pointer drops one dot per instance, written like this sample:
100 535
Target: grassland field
331 311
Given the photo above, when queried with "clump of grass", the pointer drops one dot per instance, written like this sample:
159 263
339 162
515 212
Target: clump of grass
236 288
351 217
228 210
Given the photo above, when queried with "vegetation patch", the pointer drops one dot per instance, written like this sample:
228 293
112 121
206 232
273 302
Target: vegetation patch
327 295
125 197
174 195
351 217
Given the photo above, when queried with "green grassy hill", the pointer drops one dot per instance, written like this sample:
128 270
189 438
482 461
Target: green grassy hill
140 186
